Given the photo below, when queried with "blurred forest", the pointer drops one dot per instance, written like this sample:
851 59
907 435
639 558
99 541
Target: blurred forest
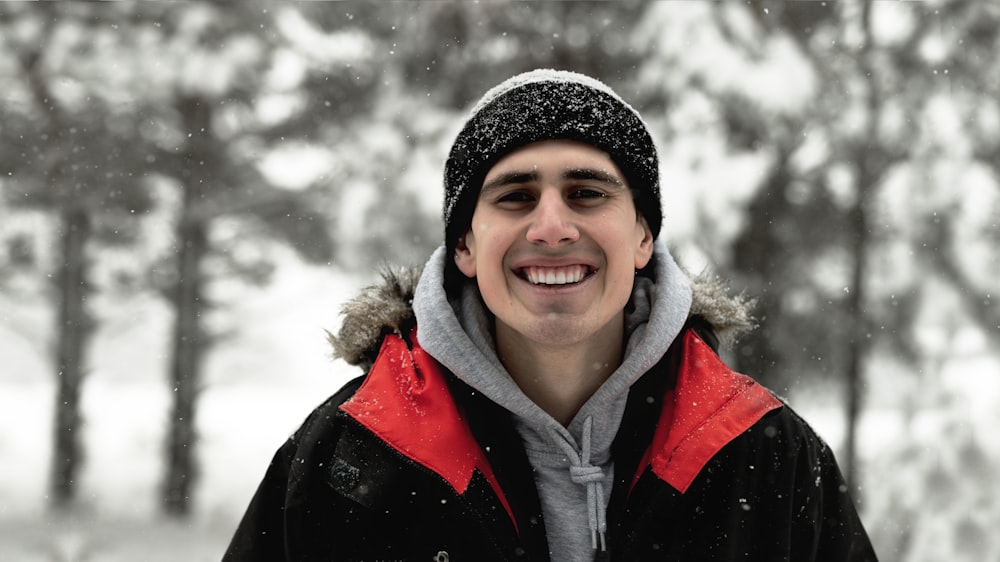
162 163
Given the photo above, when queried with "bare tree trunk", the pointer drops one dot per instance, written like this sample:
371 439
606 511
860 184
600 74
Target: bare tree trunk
185 372
188 337
868 173
73 327
857 342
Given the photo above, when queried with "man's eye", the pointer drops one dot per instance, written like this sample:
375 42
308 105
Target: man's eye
586 193
515 197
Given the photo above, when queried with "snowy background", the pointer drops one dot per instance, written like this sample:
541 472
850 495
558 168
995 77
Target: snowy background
307 140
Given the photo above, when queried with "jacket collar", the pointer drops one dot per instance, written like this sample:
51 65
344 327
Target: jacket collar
406 402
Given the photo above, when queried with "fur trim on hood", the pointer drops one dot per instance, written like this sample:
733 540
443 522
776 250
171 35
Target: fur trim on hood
387 307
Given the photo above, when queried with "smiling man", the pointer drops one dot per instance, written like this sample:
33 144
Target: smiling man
547 387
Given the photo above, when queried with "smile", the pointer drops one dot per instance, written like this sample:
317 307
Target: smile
566 275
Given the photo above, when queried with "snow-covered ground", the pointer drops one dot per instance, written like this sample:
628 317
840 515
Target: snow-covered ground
240 426
261 383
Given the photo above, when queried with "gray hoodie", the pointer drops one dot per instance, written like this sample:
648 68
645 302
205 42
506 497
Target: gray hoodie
572 464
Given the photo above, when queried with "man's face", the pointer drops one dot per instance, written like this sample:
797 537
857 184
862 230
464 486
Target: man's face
554 244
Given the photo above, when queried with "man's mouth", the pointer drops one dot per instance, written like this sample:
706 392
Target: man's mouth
565 275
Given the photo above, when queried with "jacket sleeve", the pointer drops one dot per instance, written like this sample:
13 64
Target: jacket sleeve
841 535
824 524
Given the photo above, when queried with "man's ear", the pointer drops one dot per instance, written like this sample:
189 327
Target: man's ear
644 238
465 254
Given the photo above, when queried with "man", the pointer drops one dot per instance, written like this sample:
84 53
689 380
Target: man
547 388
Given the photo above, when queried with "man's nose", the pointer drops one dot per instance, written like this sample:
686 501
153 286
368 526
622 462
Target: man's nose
552 222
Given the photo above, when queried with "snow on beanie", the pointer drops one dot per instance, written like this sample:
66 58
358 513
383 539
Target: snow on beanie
542 105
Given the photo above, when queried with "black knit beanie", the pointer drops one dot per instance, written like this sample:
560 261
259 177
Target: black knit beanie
542 105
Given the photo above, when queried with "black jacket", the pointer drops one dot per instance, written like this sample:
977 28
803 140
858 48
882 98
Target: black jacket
408 463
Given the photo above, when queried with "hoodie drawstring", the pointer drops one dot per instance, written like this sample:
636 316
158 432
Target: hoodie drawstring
583 473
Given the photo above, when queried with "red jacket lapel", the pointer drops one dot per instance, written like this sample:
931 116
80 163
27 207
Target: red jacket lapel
708 407
406 402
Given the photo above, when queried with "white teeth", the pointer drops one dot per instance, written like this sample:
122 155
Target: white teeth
555 275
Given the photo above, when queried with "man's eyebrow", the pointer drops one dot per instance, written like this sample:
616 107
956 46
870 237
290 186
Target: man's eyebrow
522 177
593 174
509 178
